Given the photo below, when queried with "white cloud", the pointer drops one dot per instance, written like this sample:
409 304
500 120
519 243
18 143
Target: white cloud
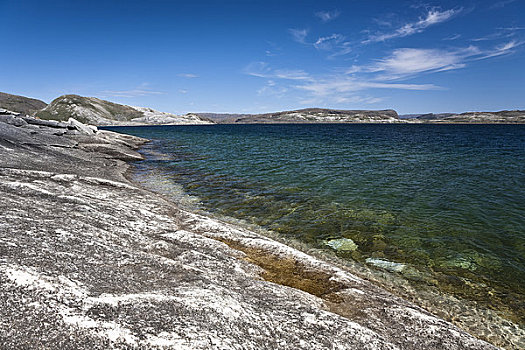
328 42
183 91
507 46
263 70
257 69
388 73
432 17
187 75
327 16
501 33
452 37
299 35
409 61
501 4
338 100
335 43
131 93
272 89
502 49
335 86
291 74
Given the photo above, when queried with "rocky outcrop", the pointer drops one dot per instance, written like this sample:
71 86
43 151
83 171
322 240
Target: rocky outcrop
90 261
152 116
20 104
501 117
309 115
91 110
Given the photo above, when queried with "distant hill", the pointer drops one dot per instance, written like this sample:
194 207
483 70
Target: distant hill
501 117
222 118
308 115
91 110
426 116
20 104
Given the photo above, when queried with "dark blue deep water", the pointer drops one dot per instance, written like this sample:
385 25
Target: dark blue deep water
447 201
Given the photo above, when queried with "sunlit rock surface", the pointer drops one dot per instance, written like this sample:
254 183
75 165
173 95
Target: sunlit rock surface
90 261
92 110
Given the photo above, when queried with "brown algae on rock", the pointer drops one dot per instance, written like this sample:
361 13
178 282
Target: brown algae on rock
287 271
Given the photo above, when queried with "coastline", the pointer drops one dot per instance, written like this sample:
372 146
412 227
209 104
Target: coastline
91 259
486 321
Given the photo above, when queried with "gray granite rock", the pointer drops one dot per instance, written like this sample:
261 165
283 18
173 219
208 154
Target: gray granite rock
12 120
48 123
20 136
82 128
4 111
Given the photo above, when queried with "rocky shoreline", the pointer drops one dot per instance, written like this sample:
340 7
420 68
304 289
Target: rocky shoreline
88 260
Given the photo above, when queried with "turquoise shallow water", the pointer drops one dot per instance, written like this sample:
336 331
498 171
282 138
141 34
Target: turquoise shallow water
446 201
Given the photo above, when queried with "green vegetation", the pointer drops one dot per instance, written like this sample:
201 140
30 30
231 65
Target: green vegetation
87 110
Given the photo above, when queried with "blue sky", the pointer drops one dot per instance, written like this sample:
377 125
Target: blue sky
263 56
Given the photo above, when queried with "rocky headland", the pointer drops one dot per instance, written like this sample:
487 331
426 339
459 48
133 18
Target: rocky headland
88 260
308 115
91 110
501 117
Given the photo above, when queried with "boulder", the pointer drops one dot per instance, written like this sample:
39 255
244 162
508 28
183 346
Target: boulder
341 244
6 112
12 120
48 123
82 128
386 265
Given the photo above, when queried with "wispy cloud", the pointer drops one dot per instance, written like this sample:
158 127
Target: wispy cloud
187 75
273 49
502 49
329 42
299 35
432 17
452 37
183 91
354 99
335 88
404 63
327 16
272 89
501 4
392 72
263 70
409 61
142 90
500 33
291 74
335 44
331 86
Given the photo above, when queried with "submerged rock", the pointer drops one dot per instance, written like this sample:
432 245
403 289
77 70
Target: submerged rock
387 265
341 244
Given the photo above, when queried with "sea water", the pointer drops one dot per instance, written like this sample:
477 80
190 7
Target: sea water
444 203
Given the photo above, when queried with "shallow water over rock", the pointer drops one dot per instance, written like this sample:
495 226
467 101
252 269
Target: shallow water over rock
445 201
